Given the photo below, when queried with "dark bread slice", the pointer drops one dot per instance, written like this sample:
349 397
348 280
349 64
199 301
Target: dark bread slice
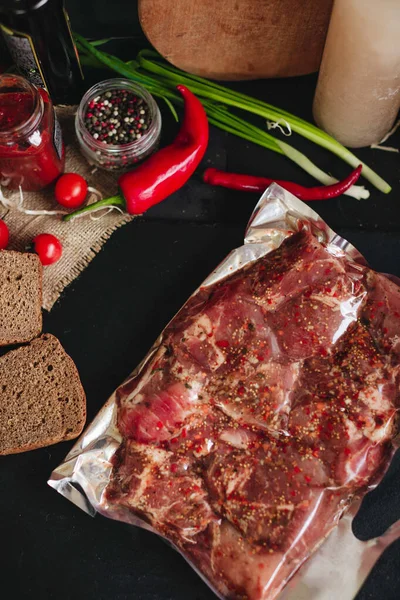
20 297
42 400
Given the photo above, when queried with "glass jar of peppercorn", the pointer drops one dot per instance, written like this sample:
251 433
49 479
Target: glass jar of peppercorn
118 123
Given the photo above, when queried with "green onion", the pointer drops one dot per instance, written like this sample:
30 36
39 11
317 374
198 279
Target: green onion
242 128
161 79
219 93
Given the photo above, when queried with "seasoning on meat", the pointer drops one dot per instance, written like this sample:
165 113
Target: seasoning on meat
269 405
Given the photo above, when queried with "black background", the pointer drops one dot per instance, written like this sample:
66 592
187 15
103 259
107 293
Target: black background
108 318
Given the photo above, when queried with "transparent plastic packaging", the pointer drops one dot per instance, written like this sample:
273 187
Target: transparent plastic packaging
117 157
262 415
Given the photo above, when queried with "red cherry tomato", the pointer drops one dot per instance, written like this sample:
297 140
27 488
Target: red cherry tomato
4 235
48 248
71 190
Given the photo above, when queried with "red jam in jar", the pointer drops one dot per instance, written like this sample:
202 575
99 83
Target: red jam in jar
31 148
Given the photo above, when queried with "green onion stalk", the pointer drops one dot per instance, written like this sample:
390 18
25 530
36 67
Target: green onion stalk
161 79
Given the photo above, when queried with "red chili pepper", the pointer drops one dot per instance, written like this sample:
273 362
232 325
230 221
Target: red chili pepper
4 235
167 170
248 183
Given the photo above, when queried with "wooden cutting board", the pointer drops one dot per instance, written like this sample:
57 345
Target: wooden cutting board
238 39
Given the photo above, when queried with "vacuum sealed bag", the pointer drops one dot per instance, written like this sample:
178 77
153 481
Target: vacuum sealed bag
263 413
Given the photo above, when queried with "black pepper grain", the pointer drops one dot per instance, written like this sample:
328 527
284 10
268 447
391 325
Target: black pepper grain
117 117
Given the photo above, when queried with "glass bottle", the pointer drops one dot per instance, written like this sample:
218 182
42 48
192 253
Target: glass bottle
31 148
38 35
358 91
5 58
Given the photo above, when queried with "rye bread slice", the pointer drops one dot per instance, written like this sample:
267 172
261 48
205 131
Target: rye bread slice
42 400
20 297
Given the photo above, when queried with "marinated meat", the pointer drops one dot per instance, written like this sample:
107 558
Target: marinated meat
270 403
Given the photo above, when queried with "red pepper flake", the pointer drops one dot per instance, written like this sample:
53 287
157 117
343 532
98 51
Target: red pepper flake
160 425
380 303
241 390
315 453
347 451
222 344
180 369
269 301
307 478
260 357
328 290
184 433
292 493
297 469
173 468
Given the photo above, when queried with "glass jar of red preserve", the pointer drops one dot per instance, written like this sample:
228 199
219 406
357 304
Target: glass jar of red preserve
31 147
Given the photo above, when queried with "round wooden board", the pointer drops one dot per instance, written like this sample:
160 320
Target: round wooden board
238 39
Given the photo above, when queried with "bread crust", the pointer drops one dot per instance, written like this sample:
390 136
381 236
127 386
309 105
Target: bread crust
37 331
73 373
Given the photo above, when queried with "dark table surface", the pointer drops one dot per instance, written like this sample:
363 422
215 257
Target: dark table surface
109 317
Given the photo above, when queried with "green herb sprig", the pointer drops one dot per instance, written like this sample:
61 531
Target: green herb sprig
161 78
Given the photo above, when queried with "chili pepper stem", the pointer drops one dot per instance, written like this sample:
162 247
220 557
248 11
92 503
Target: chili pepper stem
106 202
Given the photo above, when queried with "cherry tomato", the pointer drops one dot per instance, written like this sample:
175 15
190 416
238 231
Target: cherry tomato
71 190
48 248
4 235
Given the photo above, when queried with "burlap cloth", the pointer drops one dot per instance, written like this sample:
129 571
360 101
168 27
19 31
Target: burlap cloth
81 238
